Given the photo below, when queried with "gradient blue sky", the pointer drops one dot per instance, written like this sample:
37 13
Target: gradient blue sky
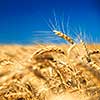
19 19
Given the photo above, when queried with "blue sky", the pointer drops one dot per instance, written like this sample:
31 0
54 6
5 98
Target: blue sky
20 19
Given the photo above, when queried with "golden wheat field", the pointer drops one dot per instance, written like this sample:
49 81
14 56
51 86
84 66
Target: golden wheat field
49 72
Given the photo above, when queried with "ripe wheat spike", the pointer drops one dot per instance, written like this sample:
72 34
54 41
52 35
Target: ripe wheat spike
64 36
87 51
94 52
44 53
48 50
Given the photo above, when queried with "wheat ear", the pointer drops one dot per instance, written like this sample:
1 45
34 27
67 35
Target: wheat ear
64 36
